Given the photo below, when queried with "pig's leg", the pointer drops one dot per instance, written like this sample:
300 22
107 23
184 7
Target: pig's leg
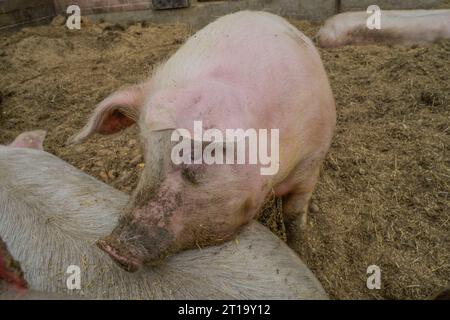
295 204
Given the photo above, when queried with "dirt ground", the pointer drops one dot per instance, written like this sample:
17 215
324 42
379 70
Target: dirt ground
383 195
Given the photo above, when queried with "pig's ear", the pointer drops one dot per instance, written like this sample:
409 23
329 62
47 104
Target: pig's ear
30 139
117 112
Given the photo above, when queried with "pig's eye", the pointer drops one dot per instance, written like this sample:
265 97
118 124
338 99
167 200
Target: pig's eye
189 175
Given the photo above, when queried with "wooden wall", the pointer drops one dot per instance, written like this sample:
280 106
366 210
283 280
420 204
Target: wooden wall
17 13
102 6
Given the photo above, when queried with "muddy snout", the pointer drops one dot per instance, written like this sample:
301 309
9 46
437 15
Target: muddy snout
132 246
120 254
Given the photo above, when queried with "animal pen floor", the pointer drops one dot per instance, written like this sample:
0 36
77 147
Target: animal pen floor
383 195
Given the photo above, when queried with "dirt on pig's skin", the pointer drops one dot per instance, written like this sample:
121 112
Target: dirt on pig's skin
383 195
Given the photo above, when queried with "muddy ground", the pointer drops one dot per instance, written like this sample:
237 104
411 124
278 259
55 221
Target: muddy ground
383 195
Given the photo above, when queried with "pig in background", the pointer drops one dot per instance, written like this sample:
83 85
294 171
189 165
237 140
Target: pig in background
245 70
51 215
405 27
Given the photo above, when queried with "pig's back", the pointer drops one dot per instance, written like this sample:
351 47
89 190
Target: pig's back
249 49
51 187
417 26
397 27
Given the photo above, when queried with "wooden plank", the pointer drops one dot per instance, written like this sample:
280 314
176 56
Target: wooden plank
170 4
103 6
18 17
12 5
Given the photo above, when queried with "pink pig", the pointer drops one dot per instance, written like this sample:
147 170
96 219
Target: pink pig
244 70
406 27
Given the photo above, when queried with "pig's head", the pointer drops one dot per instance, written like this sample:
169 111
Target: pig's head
175 205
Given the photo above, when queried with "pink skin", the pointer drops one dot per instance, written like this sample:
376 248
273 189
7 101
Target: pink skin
30 139
401 27
246 70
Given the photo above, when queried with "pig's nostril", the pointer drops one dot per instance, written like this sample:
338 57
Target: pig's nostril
129 264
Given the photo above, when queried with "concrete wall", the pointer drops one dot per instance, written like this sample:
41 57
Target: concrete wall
201 13
303 9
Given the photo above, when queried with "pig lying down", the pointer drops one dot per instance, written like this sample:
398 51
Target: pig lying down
248 70
407 27
51 215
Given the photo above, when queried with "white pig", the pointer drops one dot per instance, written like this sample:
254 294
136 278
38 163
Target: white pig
51 214
406 27
247 70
